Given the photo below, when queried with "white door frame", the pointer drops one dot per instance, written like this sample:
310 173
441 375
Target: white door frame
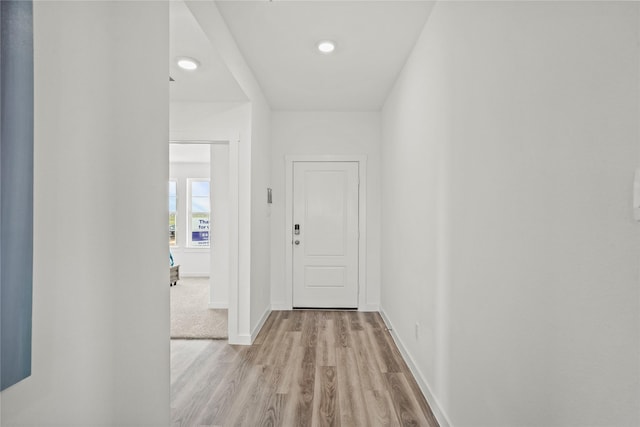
362 220
232 139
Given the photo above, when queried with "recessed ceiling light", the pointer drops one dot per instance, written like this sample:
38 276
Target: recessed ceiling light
188 63
326 46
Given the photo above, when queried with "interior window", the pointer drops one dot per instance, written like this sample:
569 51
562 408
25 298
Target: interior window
199 213
173 202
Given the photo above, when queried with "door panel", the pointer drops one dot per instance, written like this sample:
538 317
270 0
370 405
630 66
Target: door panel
325 252
324 213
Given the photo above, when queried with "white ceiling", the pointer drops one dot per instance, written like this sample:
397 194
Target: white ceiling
278 40
212 81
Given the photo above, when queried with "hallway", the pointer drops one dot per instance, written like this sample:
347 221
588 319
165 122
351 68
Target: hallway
501 237
305 368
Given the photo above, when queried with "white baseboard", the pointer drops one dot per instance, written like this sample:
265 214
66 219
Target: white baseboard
246 339
219 304
280 306
194 275
260 324
242 340
435 406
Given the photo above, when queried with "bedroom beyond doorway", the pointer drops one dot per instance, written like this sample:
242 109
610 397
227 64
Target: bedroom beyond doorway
199 238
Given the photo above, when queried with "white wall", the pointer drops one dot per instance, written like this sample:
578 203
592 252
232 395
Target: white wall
325 133
510 142
100 322
194 262
219 272
253 295
260 214
208 117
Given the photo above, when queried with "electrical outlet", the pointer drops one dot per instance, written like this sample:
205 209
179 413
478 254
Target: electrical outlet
417 330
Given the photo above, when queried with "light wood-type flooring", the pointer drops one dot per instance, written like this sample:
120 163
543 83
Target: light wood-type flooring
306 368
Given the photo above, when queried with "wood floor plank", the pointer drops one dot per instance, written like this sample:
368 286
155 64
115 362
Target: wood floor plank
293 389
381 409
268 324
369 340
323 317
270 346
273 413
325 410
304 410
247 396
415 389
306 368
252 403
373 320
354 322
289 383
404 402
297 320
284 349
190 389
371 377
187 408
310 329
353 410
422 402
384 356
265 407
394 352
341 328
185 354
219 404
326 345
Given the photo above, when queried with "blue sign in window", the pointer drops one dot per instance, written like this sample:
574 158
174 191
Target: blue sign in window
200 236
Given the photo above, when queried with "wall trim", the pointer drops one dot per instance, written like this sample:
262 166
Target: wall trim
434 404
193 275
242 339
283 306
361 159
219 305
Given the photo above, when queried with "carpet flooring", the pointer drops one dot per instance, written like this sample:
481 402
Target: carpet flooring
191 317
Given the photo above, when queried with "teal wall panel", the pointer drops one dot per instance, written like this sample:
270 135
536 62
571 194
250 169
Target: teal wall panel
16 190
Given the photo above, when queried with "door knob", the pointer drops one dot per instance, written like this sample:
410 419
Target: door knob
297 242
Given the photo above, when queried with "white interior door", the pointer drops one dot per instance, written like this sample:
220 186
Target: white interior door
325 235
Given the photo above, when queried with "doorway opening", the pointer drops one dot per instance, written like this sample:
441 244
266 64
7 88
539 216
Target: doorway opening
201 237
